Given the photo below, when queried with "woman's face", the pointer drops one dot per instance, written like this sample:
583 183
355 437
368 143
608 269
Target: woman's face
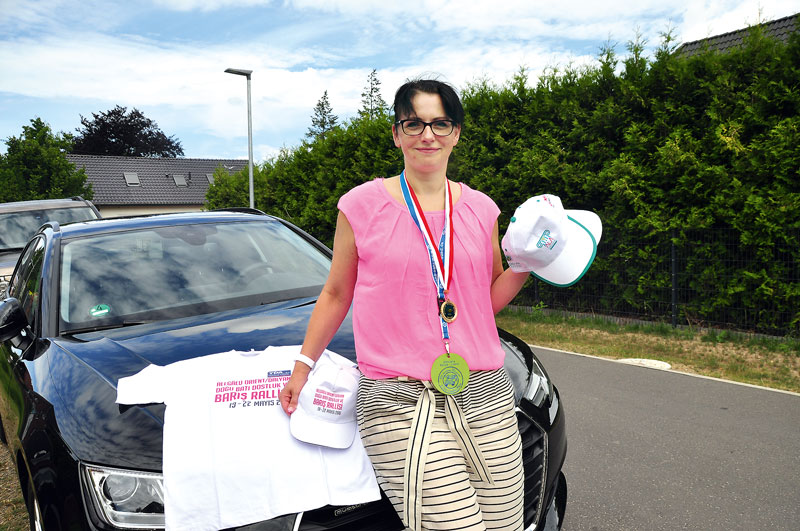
426 153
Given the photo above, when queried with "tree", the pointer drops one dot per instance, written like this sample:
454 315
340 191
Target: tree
699 152
666 150
35 166
119 132
372 104
323 119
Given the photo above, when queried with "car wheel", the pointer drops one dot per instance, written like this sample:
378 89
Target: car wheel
34 511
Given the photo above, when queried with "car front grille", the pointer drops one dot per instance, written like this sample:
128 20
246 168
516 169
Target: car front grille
534 452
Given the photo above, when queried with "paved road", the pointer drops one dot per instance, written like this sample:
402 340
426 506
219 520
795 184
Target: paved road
658 450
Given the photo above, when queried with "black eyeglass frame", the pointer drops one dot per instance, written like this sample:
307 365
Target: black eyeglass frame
401 123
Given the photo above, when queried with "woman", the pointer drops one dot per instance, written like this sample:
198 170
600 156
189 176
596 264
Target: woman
419 257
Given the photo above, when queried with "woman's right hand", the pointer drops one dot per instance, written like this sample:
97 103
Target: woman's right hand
329 311
291 391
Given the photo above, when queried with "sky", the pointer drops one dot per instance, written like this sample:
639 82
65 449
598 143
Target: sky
63 59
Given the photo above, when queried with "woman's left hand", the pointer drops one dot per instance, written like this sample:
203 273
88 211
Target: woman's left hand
505 283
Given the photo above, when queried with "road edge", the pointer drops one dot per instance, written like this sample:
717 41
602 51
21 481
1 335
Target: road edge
622 361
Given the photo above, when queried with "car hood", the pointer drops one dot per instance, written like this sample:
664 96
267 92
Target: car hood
85 370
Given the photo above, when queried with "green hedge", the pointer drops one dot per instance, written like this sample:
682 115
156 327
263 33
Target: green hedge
658 147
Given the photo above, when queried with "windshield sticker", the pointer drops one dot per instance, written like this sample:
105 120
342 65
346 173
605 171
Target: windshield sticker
100 310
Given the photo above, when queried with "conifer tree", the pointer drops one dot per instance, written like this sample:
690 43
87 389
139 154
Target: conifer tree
372 104
323 119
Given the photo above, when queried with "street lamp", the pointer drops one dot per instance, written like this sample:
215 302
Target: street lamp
247 73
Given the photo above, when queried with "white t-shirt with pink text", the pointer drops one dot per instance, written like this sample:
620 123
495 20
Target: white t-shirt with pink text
229 458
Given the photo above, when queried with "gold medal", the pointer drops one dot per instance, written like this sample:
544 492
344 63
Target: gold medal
448 311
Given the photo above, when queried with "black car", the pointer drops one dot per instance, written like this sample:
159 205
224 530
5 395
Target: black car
20 220
95 301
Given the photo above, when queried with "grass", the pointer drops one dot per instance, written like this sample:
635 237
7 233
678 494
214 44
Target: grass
13 516
766 361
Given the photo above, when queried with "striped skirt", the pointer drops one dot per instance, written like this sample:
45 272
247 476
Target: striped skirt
446 462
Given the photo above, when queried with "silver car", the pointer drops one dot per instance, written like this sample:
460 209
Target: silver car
21 219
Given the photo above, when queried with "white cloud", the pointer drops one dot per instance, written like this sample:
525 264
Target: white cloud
704 19
94 51
209 5
42 17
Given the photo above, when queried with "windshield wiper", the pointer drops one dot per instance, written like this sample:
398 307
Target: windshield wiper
307 303
97 328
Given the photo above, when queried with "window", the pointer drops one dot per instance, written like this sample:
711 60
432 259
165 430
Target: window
26 284
131 179
210 177
180 180
16 228
190 269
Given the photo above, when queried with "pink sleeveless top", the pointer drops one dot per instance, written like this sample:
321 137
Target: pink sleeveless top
395 315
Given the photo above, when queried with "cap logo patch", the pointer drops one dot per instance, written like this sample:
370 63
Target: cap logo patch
546 241
328 402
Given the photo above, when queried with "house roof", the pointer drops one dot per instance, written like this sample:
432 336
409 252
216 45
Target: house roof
114 179
779 29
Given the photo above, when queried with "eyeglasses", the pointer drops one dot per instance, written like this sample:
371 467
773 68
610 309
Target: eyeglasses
414 127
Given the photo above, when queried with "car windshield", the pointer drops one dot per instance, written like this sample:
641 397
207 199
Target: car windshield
16 228
162 273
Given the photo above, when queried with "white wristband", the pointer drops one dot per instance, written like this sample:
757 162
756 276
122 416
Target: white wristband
302 358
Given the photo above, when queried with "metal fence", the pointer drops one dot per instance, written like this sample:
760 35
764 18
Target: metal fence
701 277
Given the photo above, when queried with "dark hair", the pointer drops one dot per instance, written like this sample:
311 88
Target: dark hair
450 101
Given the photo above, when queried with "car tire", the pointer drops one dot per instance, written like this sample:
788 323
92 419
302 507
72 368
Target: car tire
34 511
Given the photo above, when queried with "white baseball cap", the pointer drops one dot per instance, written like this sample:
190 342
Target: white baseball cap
555 245
326 409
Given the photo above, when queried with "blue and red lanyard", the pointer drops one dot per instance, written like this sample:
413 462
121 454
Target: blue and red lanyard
441 258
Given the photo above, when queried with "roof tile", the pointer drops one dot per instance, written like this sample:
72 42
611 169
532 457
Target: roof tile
779 29
157 186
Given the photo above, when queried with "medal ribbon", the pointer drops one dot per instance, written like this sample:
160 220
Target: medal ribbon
441 258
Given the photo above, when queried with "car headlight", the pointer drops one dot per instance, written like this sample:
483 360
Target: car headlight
126 499
539 387
532 384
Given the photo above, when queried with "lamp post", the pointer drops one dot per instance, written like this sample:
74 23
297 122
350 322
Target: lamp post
247 73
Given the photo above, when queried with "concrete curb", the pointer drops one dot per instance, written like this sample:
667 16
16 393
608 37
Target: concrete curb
663 366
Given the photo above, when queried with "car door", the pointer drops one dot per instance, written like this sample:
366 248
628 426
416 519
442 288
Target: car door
25 285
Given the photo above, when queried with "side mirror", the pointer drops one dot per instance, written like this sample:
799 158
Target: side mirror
12 319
